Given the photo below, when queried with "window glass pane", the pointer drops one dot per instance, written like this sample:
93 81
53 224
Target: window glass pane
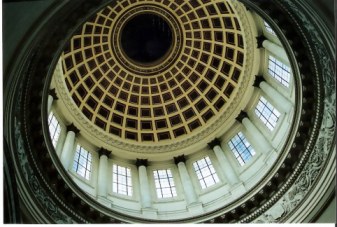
81 170
205 172
279 71
174 192
203 185
267 113
166 192
241 148
159 192
129 180
54 129
87 175
164 183
216 178
82 163
122 183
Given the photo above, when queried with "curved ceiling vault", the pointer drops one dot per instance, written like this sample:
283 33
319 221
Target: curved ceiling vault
171 102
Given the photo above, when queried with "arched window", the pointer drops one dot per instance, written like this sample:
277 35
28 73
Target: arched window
54 128
164 183
279 71
121 182
82 162
205 172
241 148
267 113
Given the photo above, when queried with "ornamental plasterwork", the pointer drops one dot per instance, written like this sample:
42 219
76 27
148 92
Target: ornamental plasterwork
30 176
317 162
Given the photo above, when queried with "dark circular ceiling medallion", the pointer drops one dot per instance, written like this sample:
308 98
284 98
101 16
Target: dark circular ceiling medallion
146 38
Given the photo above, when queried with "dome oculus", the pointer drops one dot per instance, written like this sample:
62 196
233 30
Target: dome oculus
146 38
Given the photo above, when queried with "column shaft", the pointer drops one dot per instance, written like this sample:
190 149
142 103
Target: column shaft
227 167
50 102
67 151
276 50
102 176
190 194
255 136
144 187
283 104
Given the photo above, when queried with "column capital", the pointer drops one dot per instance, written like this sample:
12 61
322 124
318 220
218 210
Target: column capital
180 158
215 142
103 151
258 80
141 162
260 40
52 92
242 115
72 128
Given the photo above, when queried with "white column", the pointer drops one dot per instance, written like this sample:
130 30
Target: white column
189 191
50 102
227 167
276 50
67 151
144 187
255 136
51 98
67 154
103 173
283 104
